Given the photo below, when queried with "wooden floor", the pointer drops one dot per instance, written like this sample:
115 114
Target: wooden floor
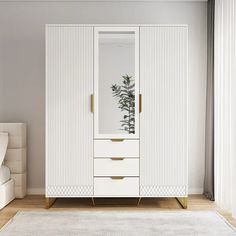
37 203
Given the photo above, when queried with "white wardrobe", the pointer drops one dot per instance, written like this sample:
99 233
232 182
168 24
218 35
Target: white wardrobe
116 111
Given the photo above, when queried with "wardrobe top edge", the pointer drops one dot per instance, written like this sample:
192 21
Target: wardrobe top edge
117 25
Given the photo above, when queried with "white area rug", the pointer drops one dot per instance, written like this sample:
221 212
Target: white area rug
128 223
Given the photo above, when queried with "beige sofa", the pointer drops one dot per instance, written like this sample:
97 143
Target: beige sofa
15 158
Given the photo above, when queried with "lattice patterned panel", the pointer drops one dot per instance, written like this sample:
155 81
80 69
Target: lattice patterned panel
70 191
163 191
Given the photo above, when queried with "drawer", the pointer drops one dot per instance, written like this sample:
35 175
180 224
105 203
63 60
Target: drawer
109 148
116 167
110 187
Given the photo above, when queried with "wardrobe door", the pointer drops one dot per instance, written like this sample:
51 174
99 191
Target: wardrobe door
69 120
163 121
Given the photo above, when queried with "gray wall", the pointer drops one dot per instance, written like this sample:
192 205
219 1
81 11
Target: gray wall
22 86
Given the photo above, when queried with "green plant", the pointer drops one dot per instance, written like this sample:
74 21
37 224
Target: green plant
125 94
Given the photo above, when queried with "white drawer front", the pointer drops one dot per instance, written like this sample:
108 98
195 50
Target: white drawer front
116 167
109 187
108 148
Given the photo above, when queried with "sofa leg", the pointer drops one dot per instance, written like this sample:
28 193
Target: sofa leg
49 201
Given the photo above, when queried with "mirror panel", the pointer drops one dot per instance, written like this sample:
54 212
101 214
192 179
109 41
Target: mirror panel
116 83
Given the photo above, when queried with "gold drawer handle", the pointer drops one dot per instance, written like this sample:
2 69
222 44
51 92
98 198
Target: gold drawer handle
117 158
117 140
117 177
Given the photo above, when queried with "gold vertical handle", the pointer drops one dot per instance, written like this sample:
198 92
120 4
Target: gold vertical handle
140 103
92 103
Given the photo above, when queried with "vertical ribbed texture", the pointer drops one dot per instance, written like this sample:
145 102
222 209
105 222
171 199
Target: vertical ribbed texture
163 121
69 122
225 108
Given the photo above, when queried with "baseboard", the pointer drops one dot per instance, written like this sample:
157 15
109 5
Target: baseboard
41 191
35 191
195 191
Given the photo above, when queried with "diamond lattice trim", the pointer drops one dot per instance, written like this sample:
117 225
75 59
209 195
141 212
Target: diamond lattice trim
71 191
163 191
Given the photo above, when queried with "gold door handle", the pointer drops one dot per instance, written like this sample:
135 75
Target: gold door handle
117 140
117 158
117 177
140 103
92 103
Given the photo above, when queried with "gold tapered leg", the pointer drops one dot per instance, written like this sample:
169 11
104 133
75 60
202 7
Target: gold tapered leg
183 201
93 202
49 201
139 200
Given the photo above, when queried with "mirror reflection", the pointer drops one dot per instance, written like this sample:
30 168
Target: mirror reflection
116 83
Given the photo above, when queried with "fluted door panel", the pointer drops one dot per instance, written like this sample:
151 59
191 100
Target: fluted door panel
69 121
163 121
